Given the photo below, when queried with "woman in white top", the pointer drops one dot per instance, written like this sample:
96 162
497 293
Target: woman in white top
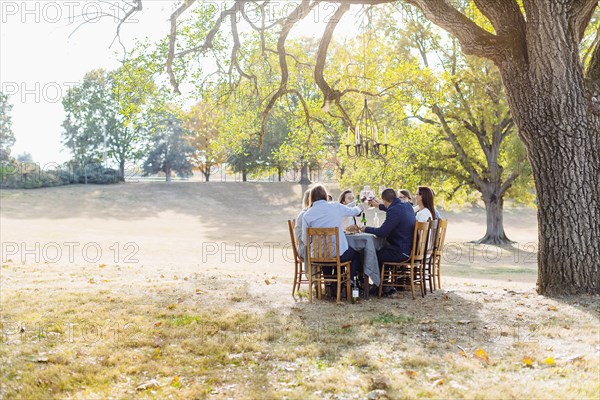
347 198
424 199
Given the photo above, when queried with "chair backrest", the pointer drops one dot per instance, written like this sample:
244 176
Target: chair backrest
323 245
419 241
440 236
431 236
292 227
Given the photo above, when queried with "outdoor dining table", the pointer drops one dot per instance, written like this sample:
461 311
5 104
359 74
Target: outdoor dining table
367 244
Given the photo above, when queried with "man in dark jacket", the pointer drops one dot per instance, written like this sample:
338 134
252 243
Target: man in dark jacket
398 227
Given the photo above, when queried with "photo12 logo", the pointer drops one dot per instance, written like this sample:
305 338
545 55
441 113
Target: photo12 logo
37 92
71 252
67 12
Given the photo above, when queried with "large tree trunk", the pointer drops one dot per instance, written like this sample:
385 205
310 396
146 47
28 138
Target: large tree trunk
122 170
304 179
495 221
168 174
562 136
206 173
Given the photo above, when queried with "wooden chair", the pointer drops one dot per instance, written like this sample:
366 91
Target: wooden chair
428 275
323 250
394 273
438 248
298 260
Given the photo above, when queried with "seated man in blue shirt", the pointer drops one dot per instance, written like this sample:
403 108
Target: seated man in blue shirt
323 214
398 227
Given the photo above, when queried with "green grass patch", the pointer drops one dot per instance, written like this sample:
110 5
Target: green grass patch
387 319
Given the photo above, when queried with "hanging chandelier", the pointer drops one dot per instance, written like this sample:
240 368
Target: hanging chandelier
366 142
366 136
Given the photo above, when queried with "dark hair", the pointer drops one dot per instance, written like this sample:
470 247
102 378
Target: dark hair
329 197
389 195
343 195
405 193
317 193
427 199
306 199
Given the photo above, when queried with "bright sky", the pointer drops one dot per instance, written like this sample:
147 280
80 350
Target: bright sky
41 57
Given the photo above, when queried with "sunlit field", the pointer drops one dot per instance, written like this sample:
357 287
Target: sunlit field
183 290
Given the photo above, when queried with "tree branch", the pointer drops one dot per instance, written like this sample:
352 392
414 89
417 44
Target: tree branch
508 183
583 11
505 15
473 39
458 148
299 13
329 94
172 38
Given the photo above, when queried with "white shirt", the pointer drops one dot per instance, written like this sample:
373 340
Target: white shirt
328 215
424 215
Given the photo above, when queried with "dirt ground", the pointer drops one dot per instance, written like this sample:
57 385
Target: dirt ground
213 246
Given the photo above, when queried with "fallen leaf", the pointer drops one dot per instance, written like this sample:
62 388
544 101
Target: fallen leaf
410 373
267 282
157 324
346 326
482 355
92 281
199 291
438 382
175 382
172 306
549 361
102 266
552 308
527 361
156 353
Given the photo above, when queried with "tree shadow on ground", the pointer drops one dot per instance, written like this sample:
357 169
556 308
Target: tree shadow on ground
440 323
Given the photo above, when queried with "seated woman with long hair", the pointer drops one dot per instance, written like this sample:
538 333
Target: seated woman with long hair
424 197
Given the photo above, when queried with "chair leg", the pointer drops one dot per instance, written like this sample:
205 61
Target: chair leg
300 273
423 286
412 281
382 279
295 278
319 283
310 283
439 273
432 266
338 285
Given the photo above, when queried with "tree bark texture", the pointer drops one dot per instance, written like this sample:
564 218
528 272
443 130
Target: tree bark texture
561 133
538 57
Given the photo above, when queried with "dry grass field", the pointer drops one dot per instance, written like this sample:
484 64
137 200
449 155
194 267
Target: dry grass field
183 291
